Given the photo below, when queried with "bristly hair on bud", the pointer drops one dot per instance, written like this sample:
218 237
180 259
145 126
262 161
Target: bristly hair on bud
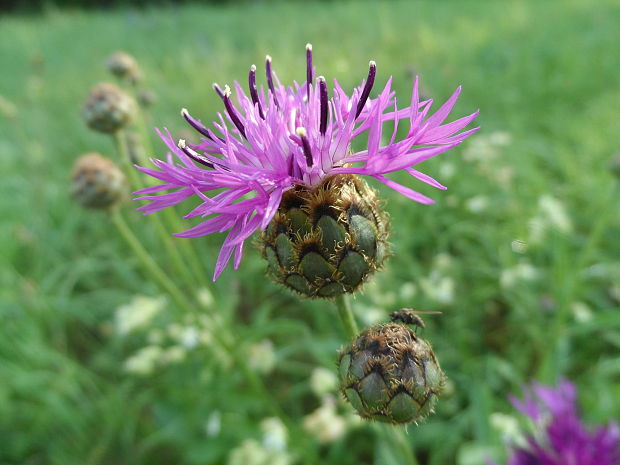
254 154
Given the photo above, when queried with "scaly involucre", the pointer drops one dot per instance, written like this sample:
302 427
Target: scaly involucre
280 136
561 438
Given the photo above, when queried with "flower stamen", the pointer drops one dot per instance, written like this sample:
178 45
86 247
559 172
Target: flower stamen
230 109
193 155
301 132
370 81
253 92
309 70
323 99
269 74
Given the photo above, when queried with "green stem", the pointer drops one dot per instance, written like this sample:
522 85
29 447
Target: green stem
346 315
151 267
178 262
170 215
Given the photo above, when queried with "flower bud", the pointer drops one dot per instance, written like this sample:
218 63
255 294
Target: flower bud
97 182
108 108
124 66
327 240
389 374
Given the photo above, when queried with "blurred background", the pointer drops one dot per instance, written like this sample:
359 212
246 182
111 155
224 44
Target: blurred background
521 253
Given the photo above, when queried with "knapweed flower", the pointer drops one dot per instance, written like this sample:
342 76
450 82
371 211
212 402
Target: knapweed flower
560 437
279 139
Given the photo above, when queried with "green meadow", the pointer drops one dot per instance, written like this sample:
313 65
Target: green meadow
99 365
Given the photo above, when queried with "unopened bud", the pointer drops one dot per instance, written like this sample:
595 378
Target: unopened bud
97 182
108 108
124 66
390 374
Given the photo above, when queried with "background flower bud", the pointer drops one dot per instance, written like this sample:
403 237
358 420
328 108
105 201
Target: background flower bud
108 108
124 66
97 182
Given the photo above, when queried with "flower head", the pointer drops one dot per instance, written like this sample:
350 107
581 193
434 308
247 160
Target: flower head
561 438
278 137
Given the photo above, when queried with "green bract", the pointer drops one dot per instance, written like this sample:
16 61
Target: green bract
326 241
389 374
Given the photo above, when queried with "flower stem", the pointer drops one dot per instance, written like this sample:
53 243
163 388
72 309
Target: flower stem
346 316
178 261
150 266
169 214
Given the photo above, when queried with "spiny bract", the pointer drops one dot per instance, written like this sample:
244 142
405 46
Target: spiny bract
391 375
325 241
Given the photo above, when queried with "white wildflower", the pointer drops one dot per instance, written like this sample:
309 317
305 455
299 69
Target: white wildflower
144 361
477 204
252 452
138 313
213 426
518 246
523 271
205 297
173 354
324 423
275 435
323 381
553 210
262 357
581 312
447 170
189 337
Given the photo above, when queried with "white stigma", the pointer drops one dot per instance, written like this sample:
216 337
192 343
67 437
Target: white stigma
309 47
227 91
372 64
301 131
184 112
181 144
268 58
253 68
321 79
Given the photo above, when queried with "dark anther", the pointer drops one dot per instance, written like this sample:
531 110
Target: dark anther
309 73
253 92
231 111
301 132
372 72
323 97
270 79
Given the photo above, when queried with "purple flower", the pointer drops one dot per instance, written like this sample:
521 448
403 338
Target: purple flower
560 437
277 137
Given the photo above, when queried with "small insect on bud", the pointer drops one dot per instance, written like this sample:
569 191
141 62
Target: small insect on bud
97 182
410 316
124 66
326 241
108 109
390 374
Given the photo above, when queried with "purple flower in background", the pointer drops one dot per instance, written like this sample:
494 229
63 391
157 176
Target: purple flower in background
560 437
277 137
